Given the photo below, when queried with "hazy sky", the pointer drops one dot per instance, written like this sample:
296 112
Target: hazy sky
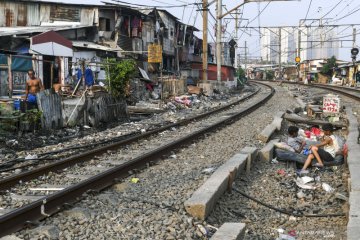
272 13
276 13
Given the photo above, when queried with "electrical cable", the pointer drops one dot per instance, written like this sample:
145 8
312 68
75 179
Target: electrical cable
308 10
347 15
286 212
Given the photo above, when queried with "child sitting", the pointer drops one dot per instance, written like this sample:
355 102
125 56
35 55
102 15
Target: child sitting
294 141
324 151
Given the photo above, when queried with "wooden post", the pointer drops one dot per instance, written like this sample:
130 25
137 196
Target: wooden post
10 77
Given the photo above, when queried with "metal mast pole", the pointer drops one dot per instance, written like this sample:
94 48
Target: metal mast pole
280 72
205 41
218 39
245 59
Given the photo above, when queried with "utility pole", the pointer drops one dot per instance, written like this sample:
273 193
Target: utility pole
299 43
236 37
280 72
205 41
245 59
218 39
298 53
354 37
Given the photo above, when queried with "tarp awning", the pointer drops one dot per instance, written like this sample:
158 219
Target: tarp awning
52 44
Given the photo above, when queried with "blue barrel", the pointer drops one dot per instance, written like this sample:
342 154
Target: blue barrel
17 104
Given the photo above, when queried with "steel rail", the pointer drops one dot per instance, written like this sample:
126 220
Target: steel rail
11 181
42 208
341 90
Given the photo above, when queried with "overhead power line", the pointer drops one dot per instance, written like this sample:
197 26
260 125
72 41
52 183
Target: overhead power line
308 10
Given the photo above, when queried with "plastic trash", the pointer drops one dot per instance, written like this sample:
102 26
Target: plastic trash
301 184
275 161
327 187
135 180
208 170
30 157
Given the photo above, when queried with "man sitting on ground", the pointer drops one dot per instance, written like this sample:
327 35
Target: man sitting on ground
324 151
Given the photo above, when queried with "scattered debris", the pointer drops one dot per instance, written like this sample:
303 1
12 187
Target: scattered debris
302 183
327 187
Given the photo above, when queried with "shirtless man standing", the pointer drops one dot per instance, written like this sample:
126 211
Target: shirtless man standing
33 86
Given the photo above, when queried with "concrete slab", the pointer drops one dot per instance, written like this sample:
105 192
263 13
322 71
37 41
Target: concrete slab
277 123
203 200
267 152
353 227
230 231
252 153
279 114
355 177
300 102
265 135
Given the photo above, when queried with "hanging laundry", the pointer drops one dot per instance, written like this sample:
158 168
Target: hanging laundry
89 77
134 32
135 22
157 27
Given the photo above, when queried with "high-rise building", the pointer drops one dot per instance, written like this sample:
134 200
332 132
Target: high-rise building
316 43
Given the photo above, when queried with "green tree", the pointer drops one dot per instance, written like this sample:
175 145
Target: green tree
329 66
270 75
118 75
240 73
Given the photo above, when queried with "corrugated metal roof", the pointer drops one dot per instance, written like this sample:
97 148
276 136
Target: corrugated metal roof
72 2
8 31
91 45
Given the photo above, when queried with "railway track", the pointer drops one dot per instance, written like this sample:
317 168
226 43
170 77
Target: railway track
34 201
346 91
70 155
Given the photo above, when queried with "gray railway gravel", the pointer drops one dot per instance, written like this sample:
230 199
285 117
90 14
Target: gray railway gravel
153 207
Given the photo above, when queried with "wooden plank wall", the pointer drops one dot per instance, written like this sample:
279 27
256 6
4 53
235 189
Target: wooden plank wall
174 87
50 104
102 108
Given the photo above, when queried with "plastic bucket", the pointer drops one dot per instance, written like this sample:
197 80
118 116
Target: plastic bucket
17 104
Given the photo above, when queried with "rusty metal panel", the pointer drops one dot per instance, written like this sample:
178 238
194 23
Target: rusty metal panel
22 15
33 14
44 13
87 16
64 13
2 14
10 13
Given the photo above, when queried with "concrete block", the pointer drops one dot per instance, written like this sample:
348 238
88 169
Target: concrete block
277 123
203 200
300 102
252 153
353 227
279 114
265 135
267 152
355 177
230 231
